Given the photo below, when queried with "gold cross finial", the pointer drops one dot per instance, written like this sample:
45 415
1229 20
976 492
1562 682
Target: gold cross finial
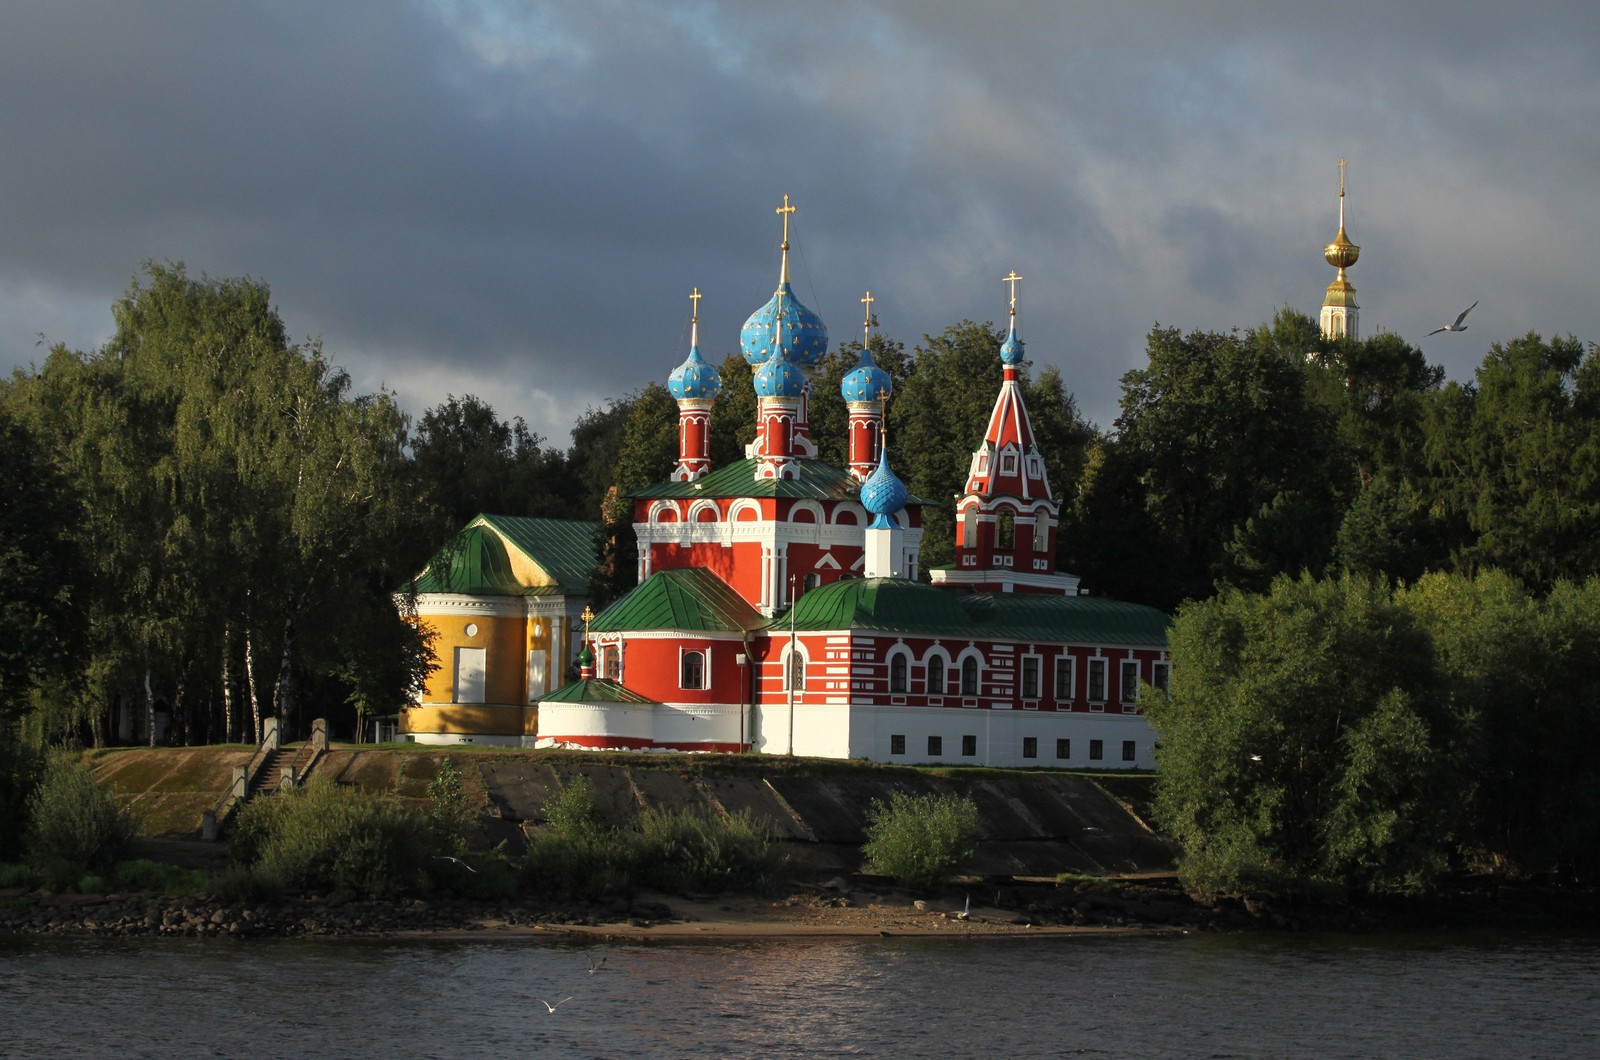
587 616
1012 280
785 210
866 325
1341 176
694 297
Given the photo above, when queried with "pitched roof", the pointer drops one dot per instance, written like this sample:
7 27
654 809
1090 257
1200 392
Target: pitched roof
564 548
691 599
473 562
892 604
594 690
898 605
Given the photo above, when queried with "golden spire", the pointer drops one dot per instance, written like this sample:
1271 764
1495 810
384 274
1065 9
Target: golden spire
1341 253
784 211
866 325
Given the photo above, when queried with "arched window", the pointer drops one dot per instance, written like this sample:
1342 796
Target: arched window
969 676
897 672
936 675
1005 530
969 528
794 671
693 670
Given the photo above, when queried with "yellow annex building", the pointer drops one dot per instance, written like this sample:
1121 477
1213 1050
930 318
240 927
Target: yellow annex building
502 601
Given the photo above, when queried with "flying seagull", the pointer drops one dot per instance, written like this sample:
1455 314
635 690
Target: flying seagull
595 966
551 1007
458 861
1457 326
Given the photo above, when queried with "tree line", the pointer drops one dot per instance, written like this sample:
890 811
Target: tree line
202 512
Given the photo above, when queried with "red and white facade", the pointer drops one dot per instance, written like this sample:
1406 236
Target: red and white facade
815 647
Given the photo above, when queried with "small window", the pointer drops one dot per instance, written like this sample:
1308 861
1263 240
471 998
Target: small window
936 675
969 676
1005 530
1128 754
1063 748
693 670
614 663
1041 533
796 672
1097 680
935 746
812 581
1097 750
1130 681
1158 676
1030 747
969 528
897 672
969 746
1064 677
897 744
1030 677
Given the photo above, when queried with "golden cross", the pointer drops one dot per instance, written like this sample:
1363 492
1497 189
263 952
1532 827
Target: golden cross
866 325
785 210
1341 176
1012 280
587 616
694 297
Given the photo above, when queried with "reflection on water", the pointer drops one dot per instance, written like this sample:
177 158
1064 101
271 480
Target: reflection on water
1205 996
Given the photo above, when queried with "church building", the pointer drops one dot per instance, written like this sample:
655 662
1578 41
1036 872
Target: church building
781 607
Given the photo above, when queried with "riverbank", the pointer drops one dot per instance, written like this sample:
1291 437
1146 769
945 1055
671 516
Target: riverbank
846 907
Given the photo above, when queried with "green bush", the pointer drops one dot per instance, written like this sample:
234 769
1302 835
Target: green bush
16 874
920 840
142 874
322 836
577 854
21 766
692 851
73 824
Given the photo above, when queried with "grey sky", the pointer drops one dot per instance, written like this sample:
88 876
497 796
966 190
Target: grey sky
515 199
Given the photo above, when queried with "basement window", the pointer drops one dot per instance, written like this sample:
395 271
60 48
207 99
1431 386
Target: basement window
969 746
935 746
1128 753
1097 750
897 744
1063 748
1030 747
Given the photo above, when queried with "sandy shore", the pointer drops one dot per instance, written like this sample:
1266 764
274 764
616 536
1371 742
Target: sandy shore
803 916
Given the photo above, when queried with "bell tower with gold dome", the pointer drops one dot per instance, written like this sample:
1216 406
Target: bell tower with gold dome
1340 313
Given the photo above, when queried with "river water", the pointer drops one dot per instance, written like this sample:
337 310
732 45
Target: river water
1412 995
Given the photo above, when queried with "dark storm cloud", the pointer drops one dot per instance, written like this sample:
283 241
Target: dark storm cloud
514 199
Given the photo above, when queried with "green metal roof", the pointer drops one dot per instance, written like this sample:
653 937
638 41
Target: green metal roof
816 481
475 562
594 690
1076 619
897 605
565 548
689 599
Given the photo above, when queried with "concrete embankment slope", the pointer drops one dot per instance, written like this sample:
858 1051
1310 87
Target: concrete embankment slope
1032 823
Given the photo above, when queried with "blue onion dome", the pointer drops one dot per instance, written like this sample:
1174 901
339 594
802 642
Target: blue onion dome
694 378
883 494
783 323
866 381
1011 349
779 377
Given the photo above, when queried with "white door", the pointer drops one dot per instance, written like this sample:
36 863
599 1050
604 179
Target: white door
470 666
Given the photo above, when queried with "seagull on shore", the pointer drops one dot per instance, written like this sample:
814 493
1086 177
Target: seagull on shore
1457 325
966 913
551 1007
